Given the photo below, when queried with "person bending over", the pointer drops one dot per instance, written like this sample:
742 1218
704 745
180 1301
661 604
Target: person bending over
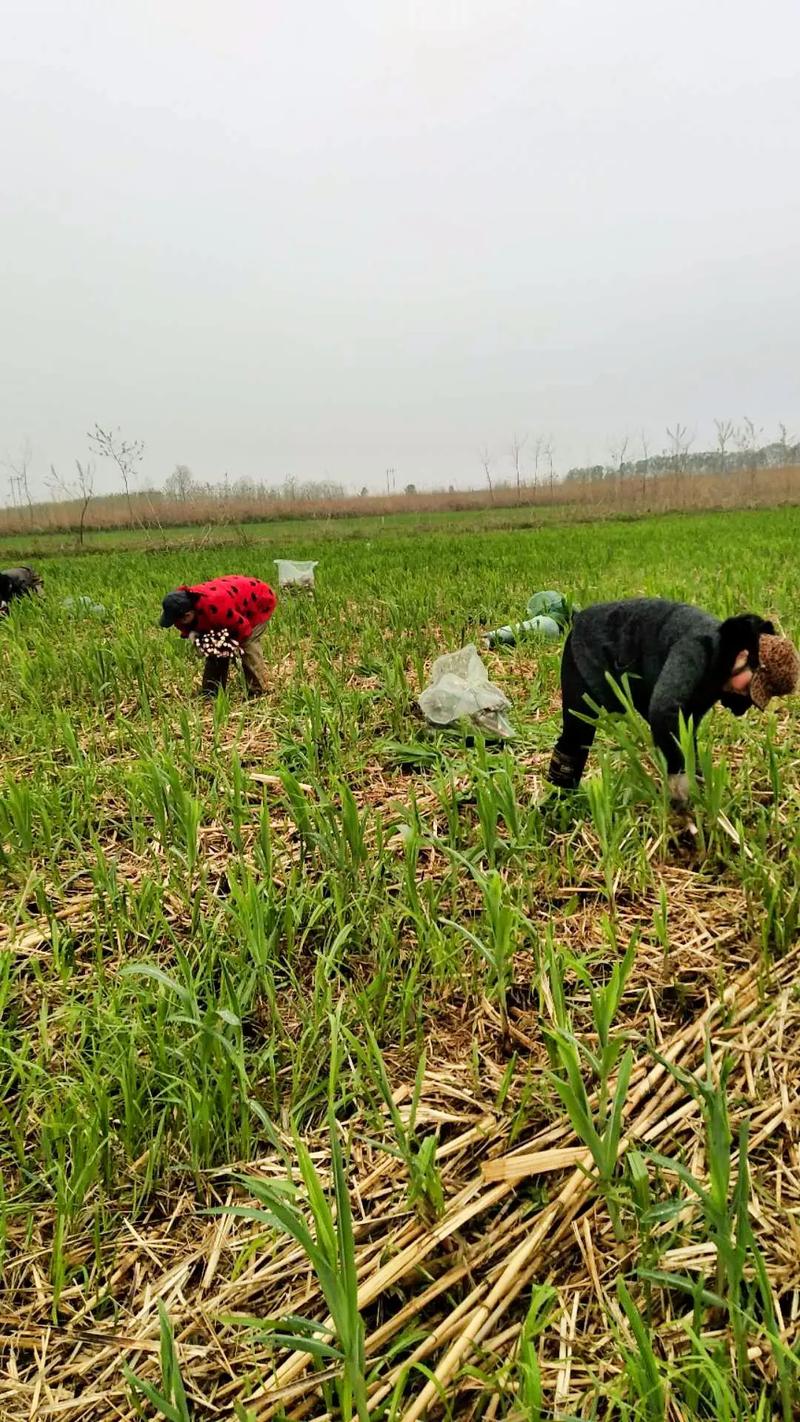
679 661
236 604
18 582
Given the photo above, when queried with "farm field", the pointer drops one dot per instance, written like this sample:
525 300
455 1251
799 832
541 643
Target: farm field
532 1079
321 530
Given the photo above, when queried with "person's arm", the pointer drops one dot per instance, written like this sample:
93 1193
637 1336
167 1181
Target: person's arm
676 693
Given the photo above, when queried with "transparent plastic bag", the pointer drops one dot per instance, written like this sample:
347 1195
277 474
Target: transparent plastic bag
295 575
460 689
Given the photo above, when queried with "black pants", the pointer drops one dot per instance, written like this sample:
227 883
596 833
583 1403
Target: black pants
571 751
215 675
216 669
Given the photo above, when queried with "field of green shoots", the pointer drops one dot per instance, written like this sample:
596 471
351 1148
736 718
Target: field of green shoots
337 1081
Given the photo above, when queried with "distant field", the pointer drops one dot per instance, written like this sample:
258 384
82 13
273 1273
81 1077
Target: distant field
239 931
291 533
151 520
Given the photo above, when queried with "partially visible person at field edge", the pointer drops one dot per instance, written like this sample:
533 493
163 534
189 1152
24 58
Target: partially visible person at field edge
17 582
679 661
237 604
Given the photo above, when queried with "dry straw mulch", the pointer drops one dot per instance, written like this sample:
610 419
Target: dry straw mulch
513 1218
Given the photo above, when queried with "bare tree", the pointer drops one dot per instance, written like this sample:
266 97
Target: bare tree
645 461
747 438
548 450
538 450
725 433
517 446
785 443
680 442
486 461
180 483
79 490
18 470
617 451
126 454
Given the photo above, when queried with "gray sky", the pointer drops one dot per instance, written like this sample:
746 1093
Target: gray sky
334 237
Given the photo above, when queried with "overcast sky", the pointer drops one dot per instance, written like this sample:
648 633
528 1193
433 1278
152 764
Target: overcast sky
328 238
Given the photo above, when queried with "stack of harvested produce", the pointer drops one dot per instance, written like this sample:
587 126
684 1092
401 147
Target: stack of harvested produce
217 643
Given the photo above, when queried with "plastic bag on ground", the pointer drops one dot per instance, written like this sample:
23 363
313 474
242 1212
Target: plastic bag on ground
295 575
460 689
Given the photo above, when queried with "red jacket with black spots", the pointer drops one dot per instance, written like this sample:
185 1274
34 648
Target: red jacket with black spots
237 603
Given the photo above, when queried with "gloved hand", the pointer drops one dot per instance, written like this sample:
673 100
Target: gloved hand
678 786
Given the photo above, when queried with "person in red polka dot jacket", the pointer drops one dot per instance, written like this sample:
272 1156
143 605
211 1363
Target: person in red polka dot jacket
237 604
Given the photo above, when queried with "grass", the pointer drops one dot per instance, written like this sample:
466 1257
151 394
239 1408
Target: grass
290 535
336 1080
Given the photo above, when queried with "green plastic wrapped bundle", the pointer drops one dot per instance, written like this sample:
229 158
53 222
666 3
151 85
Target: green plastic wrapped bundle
84 607
544 627
550 604
549 615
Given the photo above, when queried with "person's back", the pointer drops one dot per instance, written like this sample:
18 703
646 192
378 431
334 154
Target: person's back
634 638
677 661
18 582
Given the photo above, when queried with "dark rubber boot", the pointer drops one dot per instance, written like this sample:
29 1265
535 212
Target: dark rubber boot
565 770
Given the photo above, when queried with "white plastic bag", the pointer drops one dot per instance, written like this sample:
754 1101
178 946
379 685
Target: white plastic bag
460 689
294 575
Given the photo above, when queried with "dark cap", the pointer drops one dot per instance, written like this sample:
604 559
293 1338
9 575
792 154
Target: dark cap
175 605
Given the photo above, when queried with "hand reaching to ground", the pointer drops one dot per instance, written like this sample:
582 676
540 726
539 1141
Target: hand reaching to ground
678 786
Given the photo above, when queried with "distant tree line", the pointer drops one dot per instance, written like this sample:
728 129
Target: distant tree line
738 448
182 486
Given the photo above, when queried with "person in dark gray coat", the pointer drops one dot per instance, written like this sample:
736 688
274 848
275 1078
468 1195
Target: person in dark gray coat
678 660
18 582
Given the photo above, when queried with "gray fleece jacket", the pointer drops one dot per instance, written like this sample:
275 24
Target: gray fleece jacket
676 657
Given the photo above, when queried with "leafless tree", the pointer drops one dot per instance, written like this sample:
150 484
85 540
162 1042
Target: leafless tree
180 483
548 449
748 437
538 450
80 490
18 468
617 451
126 454
680 442
725 433
517 446
486 461
645 460
785 443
